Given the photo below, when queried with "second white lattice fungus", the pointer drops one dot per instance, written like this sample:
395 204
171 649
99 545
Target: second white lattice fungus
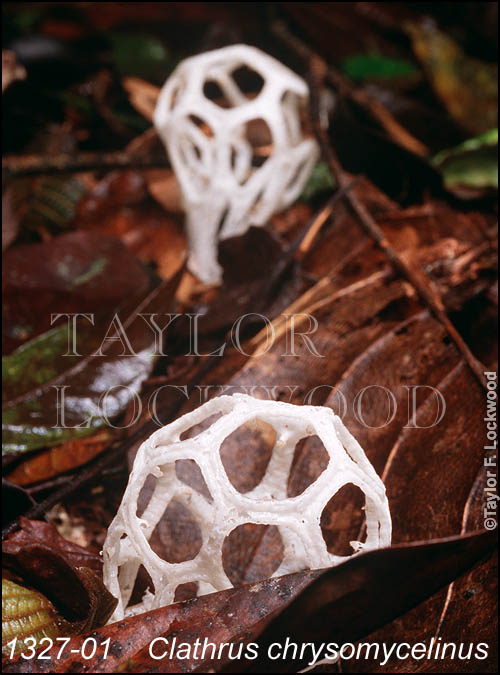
239 157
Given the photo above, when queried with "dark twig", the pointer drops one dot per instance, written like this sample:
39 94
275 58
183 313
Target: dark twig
33 165
427 295
379 112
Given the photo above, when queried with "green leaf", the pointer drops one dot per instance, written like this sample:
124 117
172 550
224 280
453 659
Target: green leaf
320 180
371 66
36 361
140 55
472 164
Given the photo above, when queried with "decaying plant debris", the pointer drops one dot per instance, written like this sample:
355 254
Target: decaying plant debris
391 253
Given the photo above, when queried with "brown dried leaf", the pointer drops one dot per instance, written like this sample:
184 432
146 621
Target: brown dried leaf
142 95
59 459
75 272
118 206
35 533
342 603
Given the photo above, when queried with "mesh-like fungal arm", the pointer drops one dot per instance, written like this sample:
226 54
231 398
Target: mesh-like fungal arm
298 518
239 157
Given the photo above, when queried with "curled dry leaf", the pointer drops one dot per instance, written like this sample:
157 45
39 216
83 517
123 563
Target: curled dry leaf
35 533
68 575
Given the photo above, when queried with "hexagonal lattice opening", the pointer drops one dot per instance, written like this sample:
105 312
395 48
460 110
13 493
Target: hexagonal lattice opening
143 584
189 473
248 81
343 520
177 536
246 454
310 459
252 552
145 494
197 429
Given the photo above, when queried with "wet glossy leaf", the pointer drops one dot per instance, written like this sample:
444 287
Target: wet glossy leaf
29 421
75 272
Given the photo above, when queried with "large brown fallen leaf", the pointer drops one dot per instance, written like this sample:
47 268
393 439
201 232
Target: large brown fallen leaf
339 604
431 505
371 330
75 272
372 333
118 205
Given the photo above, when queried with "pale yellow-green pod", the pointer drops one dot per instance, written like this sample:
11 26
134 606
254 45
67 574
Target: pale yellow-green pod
26 613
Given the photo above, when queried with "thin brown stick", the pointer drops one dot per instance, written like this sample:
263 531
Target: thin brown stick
379 112
428 296
34 165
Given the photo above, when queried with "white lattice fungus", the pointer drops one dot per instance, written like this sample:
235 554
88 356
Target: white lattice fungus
298 518
239 157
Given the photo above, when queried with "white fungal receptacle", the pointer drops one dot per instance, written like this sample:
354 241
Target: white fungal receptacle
239 155
224 508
